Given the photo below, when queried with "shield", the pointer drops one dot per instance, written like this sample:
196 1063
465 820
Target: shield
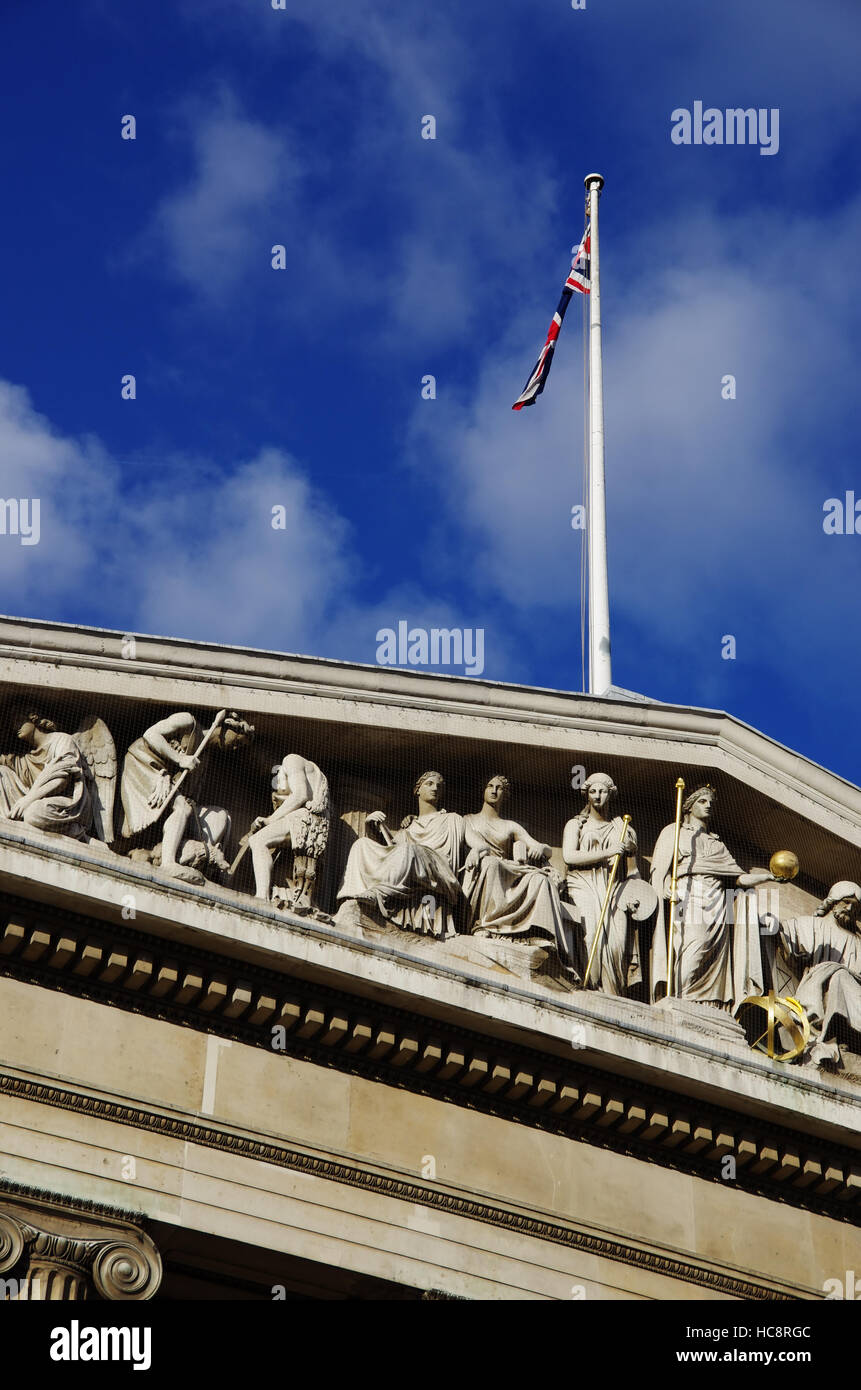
638 899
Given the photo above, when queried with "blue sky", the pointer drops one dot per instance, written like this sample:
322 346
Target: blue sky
301 388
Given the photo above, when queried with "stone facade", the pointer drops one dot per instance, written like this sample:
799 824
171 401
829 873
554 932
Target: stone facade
300 1092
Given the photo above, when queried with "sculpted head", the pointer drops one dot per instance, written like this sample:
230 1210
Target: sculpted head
599 790
233 732
700 803
430 787
32 721
497 790
844 903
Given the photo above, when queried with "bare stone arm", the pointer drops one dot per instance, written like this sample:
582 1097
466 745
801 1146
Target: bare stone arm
301 791
377 820
755 877
50 781
174 726
477 847
577 858
536 853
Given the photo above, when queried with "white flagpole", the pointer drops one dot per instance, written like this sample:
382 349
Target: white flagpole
600 677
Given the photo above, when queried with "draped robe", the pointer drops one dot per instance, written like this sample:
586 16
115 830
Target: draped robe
67 810
617 960
829 957
510 898
422 863
718 961
146 775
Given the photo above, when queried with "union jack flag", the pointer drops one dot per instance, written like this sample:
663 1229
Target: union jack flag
578 279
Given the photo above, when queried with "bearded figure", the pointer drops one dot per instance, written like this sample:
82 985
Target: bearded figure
826 950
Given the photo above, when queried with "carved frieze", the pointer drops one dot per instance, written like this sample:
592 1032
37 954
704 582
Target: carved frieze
691 930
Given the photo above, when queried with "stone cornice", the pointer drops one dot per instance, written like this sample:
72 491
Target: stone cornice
218 928
69 657
430 1055
75 1204
385 1183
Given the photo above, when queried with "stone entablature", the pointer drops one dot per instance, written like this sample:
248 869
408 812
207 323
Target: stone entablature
648 1081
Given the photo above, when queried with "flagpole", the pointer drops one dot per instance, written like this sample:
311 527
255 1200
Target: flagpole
600 677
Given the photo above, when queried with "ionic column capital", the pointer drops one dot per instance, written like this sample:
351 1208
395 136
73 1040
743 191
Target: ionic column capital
52 1251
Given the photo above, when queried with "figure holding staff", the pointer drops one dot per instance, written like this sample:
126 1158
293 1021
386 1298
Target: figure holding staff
591 843
159 788
717 960
599 930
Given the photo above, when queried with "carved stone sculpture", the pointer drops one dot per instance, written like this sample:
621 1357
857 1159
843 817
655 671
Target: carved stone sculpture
826 949
714 963
511 887
410 878
300 819
590 843
166 757
64 783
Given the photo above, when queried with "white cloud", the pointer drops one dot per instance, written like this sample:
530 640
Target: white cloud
239 200
75 485
195 554
439 236
214 565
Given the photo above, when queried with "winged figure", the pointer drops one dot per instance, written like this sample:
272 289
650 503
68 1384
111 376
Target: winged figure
95 742
62 783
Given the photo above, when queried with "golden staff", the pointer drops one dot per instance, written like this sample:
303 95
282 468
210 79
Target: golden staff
626 820
680 786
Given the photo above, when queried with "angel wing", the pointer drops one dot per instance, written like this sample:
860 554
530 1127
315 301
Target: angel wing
95 742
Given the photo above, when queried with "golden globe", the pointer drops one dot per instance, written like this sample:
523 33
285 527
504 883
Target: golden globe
783 865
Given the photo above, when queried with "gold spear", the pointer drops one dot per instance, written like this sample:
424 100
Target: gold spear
680 786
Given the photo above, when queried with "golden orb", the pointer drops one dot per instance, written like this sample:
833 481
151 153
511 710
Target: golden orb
783 865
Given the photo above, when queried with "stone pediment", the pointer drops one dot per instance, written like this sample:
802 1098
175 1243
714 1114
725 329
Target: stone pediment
370 986
379 728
